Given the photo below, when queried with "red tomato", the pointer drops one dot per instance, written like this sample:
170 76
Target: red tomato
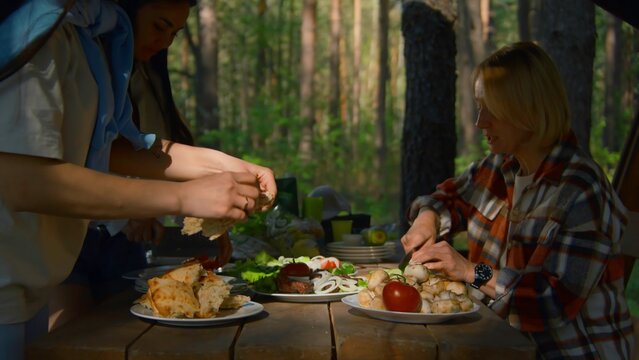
296 269
401 297
328 265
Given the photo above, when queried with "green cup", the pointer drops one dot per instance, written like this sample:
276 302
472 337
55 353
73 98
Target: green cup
312 208
341 227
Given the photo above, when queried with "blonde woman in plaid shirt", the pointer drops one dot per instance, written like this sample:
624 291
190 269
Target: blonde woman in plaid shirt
544 224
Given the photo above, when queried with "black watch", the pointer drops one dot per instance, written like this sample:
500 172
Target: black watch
483 273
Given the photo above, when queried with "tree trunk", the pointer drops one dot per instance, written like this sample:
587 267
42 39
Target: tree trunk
567 31
343 82
472 50
380 123
428 141
334 93
523 21
207 108
357 60
260 64
307 108
612 82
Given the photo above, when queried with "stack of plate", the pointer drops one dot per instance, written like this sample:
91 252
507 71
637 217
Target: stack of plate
361 253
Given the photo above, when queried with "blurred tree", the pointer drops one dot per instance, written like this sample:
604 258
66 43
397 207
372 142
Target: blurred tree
379 161
334 59
428 141
612 82
206 65
357 58
473 44
307 71
567 31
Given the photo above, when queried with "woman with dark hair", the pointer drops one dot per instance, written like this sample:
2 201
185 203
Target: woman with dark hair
73 152
115 247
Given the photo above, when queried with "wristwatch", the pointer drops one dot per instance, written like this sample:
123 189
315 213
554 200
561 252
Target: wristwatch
483 273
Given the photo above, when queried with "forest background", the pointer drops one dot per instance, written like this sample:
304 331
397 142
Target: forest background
333 91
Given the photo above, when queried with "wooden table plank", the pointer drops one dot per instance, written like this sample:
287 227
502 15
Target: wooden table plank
287 330
481 335
163 342
103 334
358 336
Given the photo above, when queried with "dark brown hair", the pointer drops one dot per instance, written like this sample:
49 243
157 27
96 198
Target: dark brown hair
158 64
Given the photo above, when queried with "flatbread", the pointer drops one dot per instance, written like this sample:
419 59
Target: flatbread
214 228
172 298
211 294
234 301
188 274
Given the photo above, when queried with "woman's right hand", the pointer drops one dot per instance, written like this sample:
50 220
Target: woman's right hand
423 231
224 195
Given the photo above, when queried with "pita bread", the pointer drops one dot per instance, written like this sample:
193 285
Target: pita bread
211 294
171 298
188 274
214 228
234 301
189 291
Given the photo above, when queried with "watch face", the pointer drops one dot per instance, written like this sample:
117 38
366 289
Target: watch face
483 273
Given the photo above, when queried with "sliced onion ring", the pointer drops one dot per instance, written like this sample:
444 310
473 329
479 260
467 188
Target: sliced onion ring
327 287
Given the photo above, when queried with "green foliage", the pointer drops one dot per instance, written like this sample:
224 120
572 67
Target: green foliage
259 108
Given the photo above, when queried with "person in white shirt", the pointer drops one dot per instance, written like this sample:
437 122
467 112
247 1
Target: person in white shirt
47 193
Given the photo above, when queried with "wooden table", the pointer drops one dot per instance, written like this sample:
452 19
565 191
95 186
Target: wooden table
282 331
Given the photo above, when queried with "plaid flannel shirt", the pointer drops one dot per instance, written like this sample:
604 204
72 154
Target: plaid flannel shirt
563 280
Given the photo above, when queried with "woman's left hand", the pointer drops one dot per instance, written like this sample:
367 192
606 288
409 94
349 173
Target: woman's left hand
265 177
443 258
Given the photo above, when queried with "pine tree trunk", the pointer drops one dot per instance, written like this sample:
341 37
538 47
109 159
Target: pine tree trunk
523 20
380 123
357 59
334 94
306 79
428 142
612 82
566 31
471 50
207 108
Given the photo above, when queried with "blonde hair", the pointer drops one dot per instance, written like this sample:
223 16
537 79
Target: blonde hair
522 85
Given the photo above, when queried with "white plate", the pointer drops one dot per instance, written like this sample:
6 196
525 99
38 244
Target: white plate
404 317
341 255
225 316
148 273
344 254
365 261
345 247
307 298
364 258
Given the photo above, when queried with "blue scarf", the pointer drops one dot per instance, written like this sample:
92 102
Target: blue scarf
109 22
30 21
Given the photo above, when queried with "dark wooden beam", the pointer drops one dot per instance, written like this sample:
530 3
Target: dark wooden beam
626 10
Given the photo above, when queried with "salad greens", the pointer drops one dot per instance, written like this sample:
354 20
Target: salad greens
261 271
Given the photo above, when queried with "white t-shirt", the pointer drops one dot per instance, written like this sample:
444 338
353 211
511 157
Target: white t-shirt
48 110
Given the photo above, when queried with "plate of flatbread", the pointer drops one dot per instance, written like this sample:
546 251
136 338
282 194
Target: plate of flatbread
222 317
192 296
